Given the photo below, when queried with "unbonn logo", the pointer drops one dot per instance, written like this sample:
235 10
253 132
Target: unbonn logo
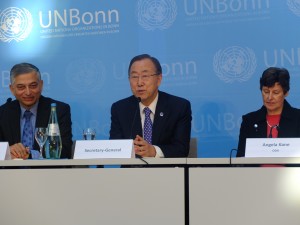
85 75
15 24
156 14
234 64
294 6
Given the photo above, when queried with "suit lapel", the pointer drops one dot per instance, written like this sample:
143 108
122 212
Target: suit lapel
137 127
262 128
135 121
43 112
14 122
261 123
160 118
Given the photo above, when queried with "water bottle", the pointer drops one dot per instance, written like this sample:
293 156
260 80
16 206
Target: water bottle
53 145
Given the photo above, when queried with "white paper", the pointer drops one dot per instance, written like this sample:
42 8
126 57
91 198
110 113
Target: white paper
272 147
4 151
97 149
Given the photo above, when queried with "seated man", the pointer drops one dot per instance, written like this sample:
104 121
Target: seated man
159 123
26 85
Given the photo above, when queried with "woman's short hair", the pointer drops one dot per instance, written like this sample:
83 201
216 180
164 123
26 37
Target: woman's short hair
274 75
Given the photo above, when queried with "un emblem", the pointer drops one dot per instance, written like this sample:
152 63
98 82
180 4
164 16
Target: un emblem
294 6
156 14
85 75
15 24
234 63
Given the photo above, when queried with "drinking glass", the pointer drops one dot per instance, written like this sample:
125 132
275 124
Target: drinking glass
89 134
41 135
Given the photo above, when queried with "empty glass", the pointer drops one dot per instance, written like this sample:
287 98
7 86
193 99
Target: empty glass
41 135
89 134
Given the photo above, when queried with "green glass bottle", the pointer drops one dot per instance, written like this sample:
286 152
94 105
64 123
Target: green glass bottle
53 145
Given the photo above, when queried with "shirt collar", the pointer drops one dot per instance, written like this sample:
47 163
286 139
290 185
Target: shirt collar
152 106
33 109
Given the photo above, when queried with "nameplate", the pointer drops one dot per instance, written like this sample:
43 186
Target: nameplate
100 149
272 147
4 151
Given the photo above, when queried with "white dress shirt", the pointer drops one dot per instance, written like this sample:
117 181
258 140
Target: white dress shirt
152 107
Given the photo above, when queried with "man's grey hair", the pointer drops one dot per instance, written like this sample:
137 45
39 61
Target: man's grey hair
22 68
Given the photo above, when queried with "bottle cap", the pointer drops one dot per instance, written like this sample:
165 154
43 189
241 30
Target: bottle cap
53 104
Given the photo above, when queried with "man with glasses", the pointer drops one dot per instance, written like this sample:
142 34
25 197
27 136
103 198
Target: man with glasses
19 117
159 123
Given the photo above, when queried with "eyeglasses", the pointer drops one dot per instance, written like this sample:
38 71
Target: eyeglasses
142 77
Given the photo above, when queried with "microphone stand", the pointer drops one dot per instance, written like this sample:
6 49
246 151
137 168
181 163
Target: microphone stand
131 131
270 134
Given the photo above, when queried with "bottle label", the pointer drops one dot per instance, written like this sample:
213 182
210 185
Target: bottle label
53 130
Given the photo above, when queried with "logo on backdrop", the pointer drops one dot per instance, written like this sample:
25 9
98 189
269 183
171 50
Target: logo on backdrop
199 13
15 24
234 64
294 6
75 22
180 72
85 75
156 14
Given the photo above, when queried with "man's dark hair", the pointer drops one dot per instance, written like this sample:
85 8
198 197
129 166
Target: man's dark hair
274 75
146 56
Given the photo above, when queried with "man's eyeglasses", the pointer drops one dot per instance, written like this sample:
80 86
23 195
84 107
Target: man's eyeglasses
142 77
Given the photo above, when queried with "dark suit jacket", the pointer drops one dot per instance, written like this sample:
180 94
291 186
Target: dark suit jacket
171 126
10 130
289 125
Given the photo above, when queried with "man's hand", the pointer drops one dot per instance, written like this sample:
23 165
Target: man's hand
19 151
143 148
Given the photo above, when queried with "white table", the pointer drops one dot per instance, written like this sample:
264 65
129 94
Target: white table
244 195
75 196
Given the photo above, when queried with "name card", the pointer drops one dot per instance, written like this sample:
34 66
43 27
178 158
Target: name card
272 147
102 149
4 151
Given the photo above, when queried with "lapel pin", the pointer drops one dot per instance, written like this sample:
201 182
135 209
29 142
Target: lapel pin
161 114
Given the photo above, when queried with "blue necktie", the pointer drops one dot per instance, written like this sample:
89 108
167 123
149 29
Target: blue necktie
147 126
27 138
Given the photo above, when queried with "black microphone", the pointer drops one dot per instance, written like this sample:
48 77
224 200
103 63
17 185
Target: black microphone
134 117
270 134
230 157
8 100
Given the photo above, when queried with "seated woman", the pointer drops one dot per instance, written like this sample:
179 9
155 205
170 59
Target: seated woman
276 118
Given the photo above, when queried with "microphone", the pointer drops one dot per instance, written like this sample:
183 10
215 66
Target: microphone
131 131
134 117
8 100
141 158
270 134
230 157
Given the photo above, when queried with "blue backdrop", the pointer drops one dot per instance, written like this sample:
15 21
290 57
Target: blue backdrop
212 52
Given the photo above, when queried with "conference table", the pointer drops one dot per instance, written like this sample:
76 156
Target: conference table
207 191
262 191
73 192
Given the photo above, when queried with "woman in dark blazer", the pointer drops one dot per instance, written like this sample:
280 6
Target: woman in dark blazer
276 118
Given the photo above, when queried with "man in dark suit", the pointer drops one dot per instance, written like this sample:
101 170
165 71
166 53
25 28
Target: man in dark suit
276 118
170 115
26 85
